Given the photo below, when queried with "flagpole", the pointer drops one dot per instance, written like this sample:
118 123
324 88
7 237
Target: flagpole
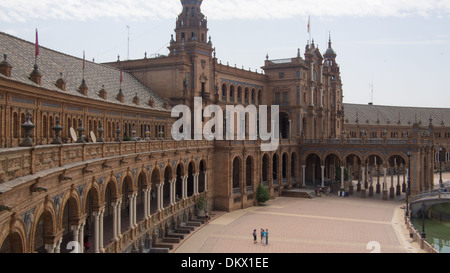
84 63
36 51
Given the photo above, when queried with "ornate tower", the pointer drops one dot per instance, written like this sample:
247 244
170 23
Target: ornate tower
192 45
191 29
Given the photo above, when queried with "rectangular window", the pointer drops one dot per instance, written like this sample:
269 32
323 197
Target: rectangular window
298 95
285 98
277 98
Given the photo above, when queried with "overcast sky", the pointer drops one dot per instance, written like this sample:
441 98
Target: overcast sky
402 47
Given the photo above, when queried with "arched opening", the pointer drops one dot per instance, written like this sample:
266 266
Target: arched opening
312 170
127 190
202 177
284 125
265 168
179 183
70 215
284 162
166 186
236 173
232 93
43 232
224 92
12 244
155 180
91 203
275 168
190 179
140 199
239 94
293 167
249 171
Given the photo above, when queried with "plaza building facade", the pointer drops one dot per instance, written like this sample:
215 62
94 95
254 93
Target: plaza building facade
87 148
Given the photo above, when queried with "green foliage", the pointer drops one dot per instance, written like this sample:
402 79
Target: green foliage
201 203
262 194
338 174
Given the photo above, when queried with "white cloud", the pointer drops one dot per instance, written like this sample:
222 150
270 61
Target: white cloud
23 10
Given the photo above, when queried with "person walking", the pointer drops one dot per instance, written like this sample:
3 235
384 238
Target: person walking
267 236
254 236
262 236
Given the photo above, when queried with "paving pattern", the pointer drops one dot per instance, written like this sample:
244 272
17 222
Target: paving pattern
328 224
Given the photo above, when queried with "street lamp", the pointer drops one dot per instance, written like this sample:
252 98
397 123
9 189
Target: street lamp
440 167
424 207
408 190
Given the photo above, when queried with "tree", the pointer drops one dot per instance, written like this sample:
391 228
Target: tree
262 194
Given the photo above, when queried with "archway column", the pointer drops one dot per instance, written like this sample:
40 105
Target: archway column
363 190
303 175
323 175
196 183
159 196
146 203
385 190
172 191
342 178
115 220
205 173
184 187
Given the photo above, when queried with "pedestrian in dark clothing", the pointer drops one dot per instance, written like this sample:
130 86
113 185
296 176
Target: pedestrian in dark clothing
254 236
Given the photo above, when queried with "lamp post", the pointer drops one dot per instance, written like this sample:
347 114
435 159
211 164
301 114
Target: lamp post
440 167
424 207
408 190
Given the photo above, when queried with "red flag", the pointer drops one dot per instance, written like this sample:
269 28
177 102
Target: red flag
308 23
37 45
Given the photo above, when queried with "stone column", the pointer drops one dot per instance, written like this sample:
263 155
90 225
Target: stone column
196 183
323 175
119 220
303 175
363 190
158 196
391 189
101 230
81 238
96 231
172 191
75 232
206 181
130 210
50 248
115 220
342 178
185 178
58 246
146 207
385 191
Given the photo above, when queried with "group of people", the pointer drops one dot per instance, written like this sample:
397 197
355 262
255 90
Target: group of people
264 236
322 191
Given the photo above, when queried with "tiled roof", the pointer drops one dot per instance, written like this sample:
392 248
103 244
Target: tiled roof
390 115
20 54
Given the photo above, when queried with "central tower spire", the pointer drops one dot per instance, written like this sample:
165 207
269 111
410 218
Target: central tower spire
191 27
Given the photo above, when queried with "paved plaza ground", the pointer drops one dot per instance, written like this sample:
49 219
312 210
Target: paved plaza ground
329 224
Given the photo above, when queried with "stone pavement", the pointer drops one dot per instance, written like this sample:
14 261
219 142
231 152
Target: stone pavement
328 224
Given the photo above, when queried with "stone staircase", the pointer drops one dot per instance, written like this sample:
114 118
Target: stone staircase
175 238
